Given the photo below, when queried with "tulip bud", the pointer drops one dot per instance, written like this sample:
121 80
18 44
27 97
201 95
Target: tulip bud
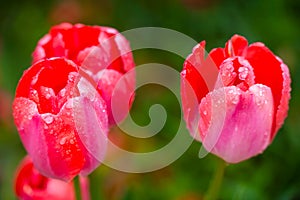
30 184
61 119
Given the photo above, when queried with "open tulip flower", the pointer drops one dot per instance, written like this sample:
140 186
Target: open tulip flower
103 53
61 119
237 97
30 184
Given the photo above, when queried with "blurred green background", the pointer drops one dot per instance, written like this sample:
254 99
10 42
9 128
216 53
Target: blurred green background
273 175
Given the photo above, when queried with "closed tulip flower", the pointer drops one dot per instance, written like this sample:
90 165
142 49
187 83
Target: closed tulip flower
103 53
61 119
31 185
239 106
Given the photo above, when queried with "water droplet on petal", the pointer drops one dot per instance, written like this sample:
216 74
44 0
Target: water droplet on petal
63 92
243 72
48 119
72 141
71 77
48 96
205 112
62 141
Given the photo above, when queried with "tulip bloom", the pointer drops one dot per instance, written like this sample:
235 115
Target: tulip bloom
30 184
237 97
103 53
61 119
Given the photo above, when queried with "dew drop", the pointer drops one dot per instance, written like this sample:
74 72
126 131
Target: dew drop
71 77
34 80
29 117
68 152
48 119
243 73
205 112
63 141
261 93
45 127
63 92
72 141
33 92
48 96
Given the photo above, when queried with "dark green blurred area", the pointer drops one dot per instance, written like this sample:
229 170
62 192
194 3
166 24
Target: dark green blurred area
273 175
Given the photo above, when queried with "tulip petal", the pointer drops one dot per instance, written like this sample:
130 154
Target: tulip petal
28 120
30 184
217 55
93 59
90 117
236 46
272 72
198 77
236 124
285 97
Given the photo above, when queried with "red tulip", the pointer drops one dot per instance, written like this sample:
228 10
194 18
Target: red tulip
242 103
101 52
31 185
61 119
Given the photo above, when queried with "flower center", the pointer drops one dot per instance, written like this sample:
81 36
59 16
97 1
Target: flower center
53 85
237 71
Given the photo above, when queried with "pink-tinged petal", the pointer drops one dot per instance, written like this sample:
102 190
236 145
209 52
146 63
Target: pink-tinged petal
236 124
30 184
121 90
124 52
51 142
40 52
93 59
114 84
191 71
198 77
236 46
91 123
28 120
90 117
189 103
273 73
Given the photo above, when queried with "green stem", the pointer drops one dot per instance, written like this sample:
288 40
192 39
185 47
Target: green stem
82 188
77 188
216 182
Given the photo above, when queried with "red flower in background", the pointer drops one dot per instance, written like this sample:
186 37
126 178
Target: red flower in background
30 184
61 119
101 52
242 110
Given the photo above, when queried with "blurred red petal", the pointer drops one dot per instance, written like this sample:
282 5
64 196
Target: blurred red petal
30 184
